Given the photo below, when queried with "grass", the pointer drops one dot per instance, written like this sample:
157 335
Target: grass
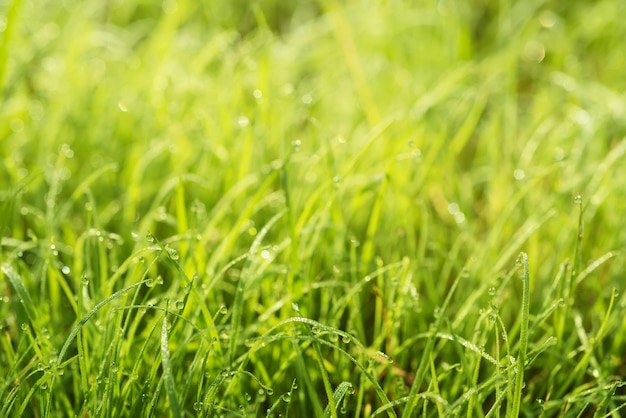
312 209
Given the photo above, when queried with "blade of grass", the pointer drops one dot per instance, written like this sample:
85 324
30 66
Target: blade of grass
168 378
25 299
523 346
343 389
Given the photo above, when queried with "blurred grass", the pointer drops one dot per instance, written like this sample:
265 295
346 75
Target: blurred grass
339 162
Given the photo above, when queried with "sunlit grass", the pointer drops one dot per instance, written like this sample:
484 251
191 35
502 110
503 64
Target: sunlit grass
312 209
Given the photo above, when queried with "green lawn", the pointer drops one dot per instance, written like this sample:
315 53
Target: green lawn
312 208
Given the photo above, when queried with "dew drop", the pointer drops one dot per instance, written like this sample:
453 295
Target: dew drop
286 397
269 391
316 330
345 339
578 200
150 237
384 357
247 397
295 307
65 270
114 367
172 253
223 310
180 305
45 333
24 326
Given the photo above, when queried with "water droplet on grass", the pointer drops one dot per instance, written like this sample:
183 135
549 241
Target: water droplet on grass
578 200
345 339
384 357
150 237
492 291
114 367
180 305
65 270
172 253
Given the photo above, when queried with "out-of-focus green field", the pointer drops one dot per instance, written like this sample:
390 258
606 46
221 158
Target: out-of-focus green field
312 208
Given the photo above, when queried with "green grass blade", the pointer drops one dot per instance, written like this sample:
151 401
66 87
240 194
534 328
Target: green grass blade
523 345
341 391
25 299
168 378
